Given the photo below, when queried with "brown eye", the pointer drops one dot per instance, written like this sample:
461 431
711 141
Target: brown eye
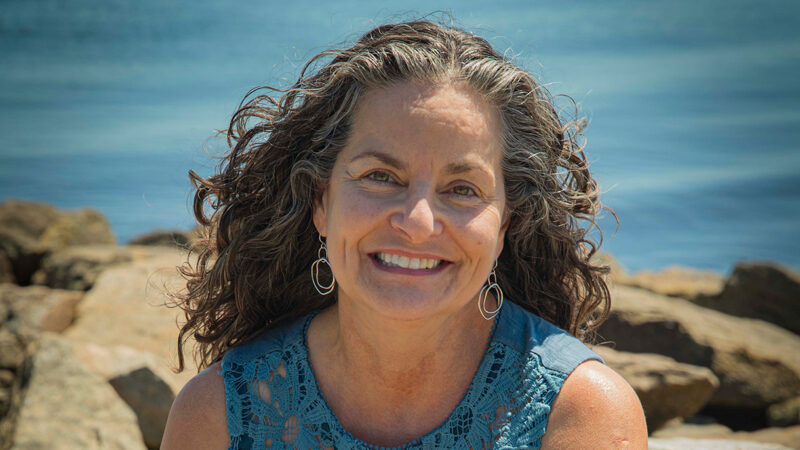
380 177
463 191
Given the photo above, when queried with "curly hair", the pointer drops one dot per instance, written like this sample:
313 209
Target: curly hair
258 242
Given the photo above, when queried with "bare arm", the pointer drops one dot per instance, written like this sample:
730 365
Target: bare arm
596 408
197 419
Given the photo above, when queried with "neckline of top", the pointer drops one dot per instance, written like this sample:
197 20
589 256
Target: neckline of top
344 431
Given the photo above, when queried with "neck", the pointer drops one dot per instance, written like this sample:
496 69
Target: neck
421 368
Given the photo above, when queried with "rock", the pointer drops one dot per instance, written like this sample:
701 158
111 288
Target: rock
765 291
110 361
15 347
123 326
15 363
139 378
125 308
68 407
24 312
39 308
29 231
6 270
21 225
666 388
757 363
789 436
7 378
692 430
164 238
708 444
77 267
32 218
150 398
60 310
84 227
784 414
678 281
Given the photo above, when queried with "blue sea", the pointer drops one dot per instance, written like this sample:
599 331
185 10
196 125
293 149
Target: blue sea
694 106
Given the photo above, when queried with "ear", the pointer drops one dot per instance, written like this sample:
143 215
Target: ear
319 212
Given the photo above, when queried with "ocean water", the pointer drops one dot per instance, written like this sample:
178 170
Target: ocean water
694 107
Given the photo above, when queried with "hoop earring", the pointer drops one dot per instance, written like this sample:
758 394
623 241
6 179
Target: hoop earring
483 296
322 257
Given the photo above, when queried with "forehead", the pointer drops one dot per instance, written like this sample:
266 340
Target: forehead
445 119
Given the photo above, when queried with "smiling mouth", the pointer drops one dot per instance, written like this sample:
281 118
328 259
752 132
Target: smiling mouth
392 260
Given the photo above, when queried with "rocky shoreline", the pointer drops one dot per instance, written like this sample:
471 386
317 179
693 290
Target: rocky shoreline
87 345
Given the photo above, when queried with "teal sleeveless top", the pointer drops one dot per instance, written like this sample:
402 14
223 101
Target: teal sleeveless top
505 406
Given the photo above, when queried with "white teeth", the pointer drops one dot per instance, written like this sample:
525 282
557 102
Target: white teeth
406 262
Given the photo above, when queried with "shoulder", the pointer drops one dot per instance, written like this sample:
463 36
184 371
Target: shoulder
197 419
529 334
595 408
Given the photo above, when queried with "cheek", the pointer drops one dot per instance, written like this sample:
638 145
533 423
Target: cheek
355 210
481 231
352 217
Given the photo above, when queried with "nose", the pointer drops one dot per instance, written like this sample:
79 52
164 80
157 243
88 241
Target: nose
418 220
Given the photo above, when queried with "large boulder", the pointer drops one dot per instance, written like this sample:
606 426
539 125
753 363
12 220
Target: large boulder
68 407
678 281
139 378
29 231
765 291
16 350
757 363
83 227
37 308
667 389
30 218
78 267
24 312
123 326
126 308
21 226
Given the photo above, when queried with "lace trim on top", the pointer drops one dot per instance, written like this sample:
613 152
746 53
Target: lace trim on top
273 401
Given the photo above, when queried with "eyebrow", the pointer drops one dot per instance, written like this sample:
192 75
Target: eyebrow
382 157
452 168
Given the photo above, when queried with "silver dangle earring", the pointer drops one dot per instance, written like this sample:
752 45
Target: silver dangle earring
483 296
322 257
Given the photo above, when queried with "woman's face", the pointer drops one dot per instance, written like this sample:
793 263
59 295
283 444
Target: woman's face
413 213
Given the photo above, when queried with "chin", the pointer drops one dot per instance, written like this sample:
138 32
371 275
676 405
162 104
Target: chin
403 304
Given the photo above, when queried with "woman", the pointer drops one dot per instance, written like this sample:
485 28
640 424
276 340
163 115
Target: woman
430 189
